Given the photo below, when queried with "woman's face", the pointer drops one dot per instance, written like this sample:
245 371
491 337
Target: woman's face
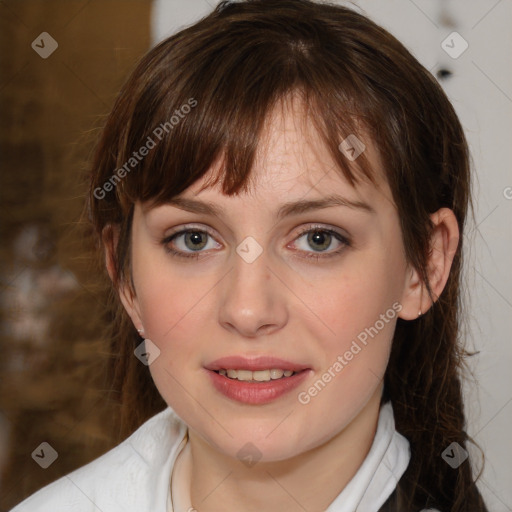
267 287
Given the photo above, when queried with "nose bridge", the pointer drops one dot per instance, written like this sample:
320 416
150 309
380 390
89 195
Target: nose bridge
251 301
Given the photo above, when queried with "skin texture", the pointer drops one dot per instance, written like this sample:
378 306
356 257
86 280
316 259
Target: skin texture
282 304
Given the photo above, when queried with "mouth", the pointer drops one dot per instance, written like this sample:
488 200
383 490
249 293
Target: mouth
256 381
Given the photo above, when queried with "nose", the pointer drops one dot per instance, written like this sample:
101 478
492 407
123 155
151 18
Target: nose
253 299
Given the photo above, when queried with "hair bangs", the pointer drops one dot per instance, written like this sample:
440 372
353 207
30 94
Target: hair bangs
215 113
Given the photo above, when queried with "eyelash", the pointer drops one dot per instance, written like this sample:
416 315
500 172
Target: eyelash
338 236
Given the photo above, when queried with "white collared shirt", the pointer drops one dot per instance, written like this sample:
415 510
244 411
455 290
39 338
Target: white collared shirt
135 475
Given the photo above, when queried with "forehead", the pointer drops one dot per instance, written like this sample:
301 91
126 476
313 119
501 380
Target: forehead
292 163
292 160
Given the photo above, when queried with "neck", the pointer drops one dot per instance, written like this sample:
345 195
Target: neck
309 481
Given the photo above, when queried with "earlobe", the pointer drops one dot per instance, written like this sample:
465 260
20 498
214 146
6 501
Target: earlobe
412 305
444 241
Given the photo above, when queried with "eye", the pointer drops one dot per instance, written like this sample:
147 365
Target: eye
321 239
189 243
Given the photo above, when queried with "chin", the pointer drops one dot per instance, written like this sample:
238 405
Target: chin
258 442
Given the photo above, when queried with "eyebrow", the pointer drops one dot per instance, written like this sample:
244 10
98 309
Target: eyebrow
286 210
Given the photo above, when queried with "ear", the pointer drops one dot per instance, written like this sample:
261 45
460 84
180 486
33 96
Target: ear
110 237
443 246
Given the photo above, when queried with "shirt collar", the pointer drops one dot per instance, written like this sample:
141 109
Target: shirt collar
380 471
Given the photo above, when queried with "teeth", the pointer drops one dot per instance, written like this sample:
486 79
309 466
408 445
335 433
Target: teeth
258 376
244 375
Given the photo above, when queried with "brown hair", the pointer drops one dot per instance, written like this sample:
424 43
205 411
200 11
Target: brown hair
231 68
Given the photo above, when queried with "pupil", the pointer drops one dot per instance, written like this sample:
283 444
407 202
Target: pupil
196 239
320 238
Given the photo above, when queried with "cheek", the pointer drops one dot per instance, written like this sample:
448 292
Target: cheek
360 307
173 314
165 297
357 296
172 308
361 312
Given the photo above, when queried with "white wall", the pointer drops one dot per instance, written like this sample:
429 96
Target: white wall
481 91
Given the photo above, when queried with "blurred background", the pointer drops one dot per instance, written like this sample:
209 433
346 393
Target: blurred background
61 65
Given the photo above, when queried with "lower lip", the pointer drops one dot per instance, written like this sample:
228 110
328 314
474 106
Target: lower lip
256 393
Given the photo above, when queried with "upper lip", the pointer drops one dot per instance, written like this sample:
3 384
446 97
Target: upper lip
254 364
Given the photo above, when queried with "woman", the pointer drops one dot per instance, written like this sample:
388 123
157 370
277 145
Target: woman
280 192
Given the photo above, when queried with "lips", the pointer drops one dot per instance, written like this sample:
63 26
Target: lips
252 391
